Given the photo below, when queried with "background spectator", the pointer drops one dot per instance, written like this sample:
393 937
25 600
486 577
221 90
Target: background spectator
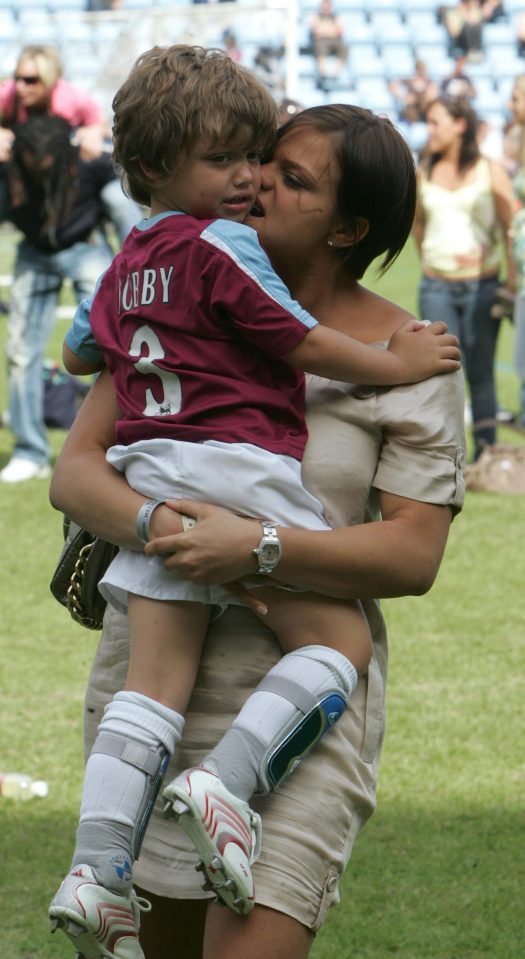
463 219
457 83
229 42
54 198
287 109
520 34
268 66
326 33
414 93
38 90
464 24
93 6
517 104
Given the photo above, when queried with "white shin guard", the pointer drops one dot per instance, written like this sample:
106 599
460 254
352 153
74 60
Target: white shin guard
124 773
293 707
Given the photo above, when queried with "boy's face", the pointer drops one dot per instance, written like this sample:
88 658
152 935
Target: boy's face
217 181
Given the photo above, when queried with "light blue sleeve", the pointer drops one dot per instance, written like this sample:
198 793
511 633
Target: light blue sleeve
79 336
241 243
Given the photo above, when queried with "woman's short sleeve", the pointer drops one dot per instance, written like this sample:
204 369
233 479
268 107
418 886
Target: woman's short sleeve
422 455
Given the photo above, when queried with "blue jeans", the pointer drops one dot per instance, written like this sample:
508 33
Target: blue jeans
123 212
37 281
465 307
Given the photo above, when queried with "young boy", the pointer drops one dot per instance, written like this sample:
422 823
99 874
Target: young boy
181 317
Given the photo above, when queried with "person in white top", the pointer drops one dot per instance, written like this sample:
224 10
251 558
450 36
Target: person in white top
465 207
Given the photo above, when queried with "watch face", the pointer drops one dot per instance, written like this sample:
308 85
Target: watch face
270 553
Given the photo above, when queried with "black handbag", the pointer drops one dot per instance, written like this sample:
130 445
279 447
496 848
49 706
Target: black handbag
83 562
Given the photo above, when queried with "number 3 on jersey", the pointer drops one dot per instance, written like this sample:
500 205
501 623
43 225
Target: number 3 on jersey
171 399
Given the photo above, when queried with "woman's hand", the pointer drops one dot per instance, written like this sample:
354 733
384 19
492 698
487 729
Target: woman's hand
217 550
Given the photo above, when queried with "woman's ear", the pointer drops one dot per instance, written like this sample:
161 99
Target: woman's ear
344 236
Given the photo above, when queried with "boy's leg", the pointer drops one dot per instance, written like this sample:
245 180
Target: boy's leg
327 645
136 737
297 702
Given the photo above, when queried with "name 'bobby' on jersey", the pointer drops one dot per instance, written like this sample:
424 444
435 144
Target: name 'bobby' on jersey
193 322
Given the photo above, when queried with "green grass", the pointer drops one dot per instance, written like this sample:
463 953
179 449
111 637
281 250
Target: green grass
439 871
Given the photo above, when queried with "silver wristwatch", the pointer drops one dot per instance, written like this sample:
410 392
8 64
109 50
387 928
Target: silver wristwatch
268 552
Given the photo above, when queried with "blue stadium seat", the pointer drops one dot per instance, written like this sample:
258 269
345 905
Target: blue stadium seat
9 29
374 94
357 29
24 4
398 61
380 6
415 134
418 6
33 14
504 62
365 63
57 6
307 7
343 6
422 25
499 34
39 31
389 25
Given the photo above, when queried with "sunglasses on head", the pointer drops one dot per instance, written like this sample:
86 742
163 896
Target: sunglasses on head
29 81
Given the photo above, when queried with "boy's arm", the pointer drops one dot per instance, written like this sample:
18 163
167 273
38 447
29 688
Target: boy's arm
81 354
75 365
415 352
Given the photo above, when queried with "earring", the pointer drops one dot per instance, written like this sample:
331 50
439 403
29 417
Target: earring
330 242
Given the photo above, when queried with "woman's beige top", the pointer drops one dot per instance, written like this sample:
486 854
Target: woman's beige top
462 235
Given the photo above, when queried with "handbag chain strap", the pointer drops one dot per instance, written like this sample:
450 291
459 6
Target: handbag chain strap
74 593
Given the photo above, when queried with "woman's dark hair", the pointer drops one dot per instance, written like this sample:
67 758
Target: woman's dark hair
377 181
37 140
458 108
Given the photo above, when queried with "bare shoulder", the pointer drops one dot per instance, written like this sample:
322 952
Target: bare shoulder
379 317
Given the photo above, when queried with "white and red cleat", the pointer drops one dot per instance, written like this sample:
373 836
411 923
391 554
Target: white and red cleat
224 830
100 924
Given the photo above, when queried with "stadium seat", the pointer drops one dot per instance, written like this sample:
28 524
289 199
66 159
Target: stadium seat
418 6
374 94
424 27
39 31
415 134
357 29
9 29
388 24
343 6
57 6
34 4
499 34
369 65
398 61
504 62
513 7
307 7
504 87
381 6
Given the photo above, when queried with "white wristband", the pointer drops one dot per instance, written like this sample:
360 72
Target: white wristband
144 518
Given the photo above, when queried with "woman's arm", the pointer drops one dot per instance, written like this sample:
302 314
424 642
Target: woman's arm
418 228
397 556
505 208
88 489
